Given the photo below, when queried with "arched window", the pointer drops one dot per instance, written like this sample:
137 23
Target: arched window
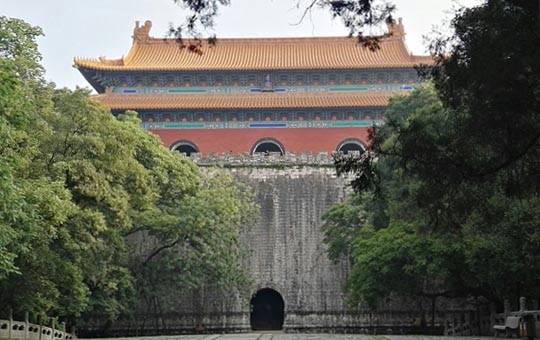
268 145
351 145
185 147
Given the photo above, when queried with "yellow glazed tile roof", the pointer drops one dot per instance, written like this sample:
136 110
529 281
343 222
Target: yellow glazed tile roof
154 54
243 101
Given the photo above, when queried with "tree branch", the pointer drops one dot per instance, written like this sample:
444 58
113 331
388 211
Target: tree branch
306 11
159 250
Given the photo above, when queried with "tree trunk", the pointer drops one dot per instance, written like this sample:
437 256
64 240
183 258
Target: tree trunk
478 316
433 302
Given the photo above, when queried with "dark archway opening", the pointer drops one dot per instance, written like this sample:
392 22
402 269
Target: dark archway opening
185 147
267 310
267 147
351 147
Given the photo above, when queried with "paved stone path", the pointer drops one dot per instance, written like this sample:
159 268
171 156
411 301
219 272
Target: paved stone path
282 336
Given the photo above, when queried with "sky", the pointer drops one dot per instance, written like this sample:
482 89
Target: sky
94 28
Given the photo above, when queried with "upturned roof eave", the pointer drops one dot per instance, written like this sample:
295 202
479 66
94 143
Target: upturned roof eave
157 68
89 75
179 107
252 101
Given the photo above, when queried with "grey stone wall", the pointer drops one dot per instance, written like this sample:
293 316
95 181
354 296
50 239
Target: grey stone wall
286 246
286 253
285 249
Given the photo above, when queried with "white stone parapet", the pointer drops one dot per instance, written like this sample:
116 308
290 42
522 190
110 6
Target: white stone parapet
24 330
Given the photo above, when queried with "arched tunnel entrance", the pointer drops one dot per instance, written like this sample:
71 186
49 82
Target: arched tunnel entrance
267 310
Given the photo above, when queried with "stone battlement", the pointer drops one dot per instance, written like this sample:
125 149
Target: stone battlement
263 159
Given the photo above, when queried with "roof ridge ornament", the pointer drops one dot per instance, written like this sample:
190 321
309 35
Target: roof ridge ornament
396 29
141 34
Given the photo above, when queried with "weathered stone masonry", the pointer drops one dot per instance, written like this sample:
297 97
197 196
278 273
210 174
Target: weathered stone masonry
286 244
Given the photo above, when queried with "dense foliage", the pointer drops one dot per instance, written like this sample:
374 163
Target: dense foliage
77 184
449 192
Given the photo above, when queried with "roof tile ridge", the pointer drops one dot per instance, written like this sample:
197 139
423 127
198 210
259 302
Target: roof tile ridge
161 41
375 94
91 61
82 61
250 40
131 54
111 62
274 40
397 33
423 59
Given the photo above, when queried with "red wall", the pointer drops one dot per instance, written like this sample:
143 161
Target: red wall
243 140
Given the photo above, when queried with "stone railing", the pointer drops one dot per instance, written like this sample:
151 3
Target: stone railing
24 330
530 317
481 322
264 159
467 324
160 324
390 322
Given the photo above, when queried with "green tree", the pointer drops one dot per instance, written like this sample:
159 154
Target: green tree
18 45
78 183
193 231
201 250
386 236
8 98
463 166
33 207
398 260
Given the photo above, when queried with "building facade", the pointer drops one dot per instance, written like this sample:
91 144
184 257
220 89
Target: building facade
255 95
258 103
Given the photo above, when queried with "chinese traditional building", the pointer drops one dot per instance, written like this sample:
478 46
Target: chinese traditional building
256 95
279 97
